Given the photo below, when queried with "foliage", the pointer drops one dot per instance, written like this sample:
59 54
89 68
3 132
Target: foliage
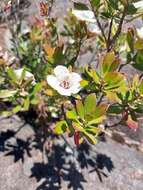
99 91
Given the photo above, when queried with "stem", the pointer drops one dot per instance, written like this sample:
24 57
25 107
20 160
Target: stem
50 7
112 42
100 99
78 49
141 76
99 24
74 151
121 66
109 34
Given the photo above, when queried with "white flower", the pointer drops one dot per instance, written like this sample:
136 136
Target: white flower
28 75
64 82
138 5
84 15
140 32
89 18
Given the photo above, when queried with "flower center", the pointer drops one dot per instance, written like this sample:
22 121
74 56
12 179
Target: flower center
65 84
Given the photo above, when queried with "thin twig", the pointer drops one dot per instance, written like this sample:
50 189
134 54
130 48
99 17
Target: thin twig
112 42
109 34
121 66
99 24
141 76
100 99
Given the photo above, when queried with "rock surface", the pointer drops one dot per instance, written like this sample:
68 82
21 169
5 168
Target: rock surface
108 165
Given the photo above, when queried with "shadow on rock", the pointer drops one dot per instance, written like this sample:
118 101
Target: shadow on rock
96 163
19 149
60 166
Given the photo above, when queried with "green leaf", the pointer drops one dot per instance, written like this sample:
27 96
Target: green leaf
37 88
26 104
93 74
97 120
130 39
17 109
131 9
91 138
6 113
12 74
141 87
80 6
58 55
35 100
61 127
23 74
80 108
113 4
90 104
7 93
138 44
110 63
100 110
84 83
115 109
95 2
114 81
78 127
94 130
71 114
138 61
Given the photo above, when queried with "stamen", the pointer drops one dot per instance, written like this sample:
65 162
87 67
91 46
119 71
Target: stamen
65 84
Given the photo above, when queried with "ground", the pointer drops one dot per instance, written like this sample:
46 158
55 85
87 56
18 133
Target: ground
108 165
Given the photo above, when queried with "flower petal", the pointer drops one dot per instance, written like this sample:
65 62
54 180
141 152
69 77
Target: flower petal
75 78
63 91
61 71
52 81
75 89
84 15
18 72
140 32
138 5
28 75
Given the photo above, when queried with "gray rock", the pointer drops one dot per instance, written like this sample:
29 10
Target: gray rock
110 165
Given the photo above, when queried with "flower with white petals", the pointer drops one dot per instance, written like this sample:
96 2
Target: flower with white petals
64 82
28 75
89 18
140 32
138 5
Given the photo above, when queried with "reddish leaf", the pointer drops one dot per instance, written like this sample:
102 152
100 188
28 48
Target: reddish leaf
38 23
132 124
8 6
43 9
76 138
